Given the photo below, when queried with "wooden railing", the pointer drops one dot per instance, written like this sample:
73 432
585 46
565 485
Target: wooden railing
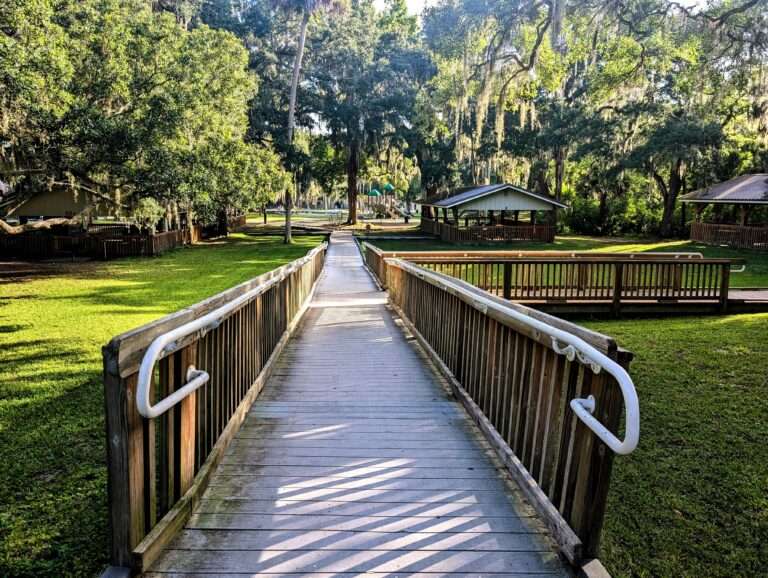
614 278
158 468
482 233
518 388
110 229
741 237
102 245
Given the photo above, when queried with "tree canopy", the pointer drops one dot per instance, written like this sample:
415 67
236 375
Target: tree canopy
615 107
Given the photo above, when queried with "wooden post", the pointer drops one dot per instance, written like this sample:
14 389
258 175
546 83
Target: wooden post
187 429
507 290
125 461
743 215
617 289
725 274
445 216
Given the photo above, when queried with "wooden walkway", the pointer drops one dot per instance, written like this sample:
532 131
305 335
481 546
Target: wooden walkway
356 460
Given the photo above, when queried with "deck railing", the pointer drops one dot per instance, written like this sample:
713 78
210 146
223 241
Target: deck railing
613 278
738 236
525 376
483 233
158 468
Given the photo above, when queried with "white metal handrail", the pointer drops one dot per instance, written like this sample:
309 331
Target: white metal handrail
167 343
574 347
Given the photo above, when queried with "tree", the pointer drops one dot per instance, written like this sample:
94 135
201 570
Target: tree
141 106
366 70
306 8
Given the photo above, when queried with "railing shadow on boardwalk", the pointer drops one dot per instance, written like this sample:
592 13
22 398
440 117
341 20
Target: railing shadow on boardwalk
434 512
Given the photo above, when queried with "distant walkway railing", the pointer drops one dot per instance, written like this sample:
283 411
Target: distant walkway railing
159 467
738 236
486 233
552 277
548 394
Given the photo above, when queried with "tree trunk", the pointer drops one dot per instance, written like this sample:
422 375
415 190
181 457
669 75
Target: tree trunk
669 194
602 214
292 113
352 168
559 176
264 211
37 225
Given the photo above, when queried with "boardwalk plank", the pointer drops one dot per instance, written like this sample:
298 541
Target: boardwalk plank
357 460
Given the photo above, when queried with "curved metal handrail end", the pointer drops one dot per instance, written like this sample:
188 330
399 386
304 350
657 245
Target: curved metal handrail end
196 378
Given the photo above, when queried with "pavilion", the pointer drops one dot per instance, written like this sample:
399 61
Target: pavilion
488 213
739 211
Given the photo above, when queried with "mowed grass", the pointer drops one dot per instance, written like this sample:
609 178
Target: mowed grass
755 275
53 515
692 500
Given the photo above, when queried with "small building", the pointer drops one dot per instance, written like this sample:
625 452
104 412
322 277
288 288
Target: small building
62 202
738 216
480 213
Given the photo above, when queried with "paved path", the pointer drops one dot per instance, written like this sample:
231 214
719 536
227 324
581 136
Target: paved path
756 295
356 460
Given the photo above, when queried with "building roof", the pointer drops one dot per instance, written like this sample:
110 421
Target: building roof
464 195
746 189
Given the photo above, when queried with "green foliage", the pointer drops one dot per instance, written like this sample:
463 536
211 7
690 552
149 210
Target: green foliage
134 102
147 213
632 104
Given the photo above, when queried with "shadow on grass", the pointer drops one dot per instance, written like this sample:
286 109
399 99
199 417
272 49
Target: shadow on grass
54 517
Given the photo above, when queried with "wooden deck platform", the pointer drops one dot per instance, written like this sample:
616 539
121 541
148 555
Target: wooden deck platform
357 460
739 301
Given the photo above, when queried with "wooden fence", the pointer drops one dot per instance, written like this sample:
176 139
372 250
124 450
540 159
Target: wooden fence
487 233
518 388
236 222
613 278
102 245
158 468
737 236
110 229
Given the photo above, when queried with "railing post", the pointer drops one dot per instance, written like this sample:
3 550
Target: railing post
125 459
187 426
617 288
507 289
725 277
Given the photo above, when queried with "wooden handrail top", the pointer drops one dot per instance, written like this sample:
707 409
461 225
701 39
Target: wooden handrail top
127 349
409 255
469 294
555 260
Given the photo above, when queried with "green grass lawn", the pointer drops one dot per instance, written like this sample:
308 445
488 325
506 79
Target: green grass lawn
53 517
756 274
692 500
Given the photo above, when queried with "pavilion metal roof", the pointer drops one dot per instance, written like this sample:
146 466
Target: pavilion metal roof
463 195
746 189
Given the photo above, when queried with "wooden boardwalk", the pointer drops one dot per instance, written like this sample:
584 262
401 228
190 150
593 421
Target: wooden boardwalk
357 460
